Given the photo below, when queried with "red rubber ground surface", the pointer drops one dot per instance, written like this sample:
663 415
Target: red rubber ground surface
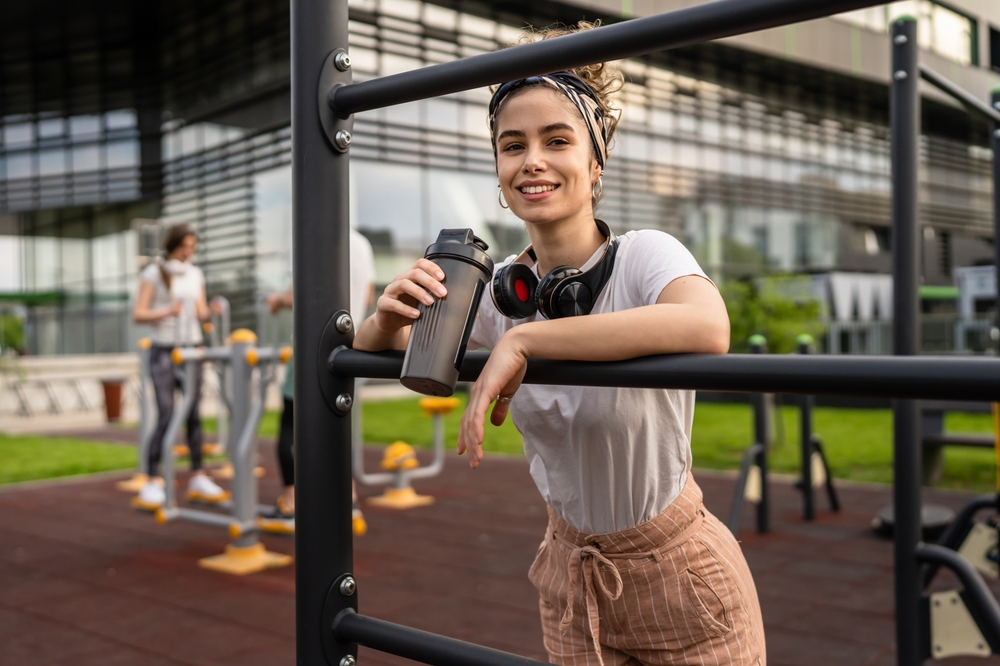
86 580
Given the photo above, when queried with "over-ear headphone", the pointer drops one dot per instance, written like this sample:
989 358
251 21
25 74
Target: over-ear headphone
563 292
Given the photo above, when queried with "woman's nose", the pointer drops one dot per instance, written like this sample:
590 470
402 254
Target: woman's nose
533 160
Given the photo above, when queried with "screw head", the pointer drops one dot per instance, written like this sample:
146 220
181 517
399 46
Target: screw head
899 75
996 105
349 660
342 61
344 402
996 133
345 323
348 586
343 139
900 39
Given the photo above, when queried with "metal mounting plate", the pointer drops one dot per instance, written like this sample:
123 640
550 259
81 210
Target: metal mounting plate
982 539
953 631
330 385
329 77
335 603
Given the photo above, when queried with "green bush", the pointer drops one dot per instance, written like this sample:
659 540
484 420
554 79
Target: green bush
766 310
11 333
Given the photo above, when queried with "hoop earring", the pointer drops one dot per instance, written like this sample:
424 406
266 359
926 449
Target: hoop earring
503 204
598 188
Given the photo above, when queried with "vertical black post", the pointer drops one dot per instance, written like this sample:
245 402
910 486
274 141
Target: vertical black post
762 437
905 128
320 223
995 145
806 431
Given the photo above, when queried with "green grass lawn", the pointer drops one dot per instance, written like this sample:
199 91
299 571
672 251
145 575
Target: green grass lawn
27 458
858 443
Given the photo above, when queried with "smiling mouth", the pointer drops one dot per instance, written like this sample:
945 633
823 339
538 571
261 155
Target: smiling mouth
537 189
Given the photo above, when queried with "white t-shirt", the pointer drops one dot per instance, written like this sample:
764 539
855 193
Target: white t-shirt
362 276
606 459
187 284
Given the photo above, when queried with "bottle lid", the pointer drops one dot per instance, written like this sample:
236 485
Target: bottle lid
464 245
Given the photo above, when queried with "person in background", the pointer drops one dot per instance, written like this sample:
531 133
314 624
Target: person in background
172 299
362 298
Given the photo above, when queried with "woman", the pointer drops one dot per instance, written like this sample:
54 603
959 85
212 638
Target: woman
172 299
632 569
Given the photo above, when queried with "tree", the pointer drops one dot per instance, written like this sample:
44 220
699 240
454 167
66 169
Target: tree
765 310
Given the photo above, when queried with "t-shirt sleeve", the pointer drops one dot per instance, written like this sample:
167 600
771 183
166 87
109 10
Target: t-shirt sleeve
490 324
655 259
151 274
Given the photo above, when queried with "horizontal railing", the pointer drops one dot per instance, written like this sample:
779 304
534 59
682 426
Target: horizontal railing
914 377
419 645
682 27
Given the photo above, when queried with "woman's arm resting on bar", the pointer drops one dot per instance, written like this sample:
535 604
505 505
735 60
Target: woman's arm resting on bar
689 316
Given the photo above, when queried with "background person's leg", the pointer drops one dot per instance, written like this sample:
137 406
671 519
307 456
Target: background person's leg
162 371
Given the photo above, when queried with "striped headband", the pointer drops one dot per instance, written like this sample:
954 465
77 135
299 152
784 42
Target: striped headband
577 91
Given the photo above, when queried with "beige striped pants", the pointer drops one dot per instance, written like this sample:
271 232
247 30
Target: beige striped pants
674 590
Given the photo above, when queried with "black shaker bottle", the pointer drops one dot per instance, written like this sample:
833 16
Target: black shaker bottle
439 336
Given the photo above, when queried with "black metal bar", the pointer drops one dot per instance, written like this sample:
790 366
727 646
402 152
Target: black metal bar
320 226
959 529
762 436
982 604
736 510
970 101
831 491
420 645
806 445
905 127
934 378
682 27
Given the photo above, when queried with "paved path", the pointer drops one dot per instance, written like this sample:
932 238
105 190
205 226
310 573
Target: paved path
85 580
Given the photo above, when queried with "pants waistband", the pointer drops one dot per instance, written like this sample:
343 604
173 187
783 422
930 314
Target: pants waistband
670 527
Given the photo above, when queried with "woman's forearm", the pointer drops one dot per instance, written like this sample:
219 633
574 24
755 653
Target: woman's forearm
370 338
664 328
149 316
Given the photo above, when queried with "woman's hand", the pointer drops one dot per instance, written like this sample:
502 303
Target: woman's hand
500 379
396 306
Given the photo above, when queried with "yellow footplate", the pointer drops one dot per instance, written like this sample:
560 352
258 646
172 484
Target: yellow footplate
400 498
142 506
242 561
358 523
205 499
276 525
134 484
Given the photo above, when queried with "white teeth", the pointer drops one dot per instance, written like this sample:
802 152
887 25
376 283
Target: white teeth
537 189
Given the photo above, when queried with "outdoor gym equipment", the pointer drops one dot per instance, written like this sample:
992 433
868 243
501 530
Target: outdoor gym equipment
400 461
245 554
815 469
752 483
329 628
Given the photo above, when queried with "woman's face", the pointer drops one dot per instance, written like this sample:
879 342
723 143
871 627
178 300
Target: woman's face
545 160
185 250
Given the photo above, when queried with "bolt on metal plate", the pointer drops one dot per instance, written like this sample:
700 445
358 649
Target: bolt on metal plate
345 323
348 660
344 402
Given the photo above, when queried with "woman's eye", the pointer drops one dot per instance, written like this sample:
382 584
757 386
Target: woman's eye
559 142
512 146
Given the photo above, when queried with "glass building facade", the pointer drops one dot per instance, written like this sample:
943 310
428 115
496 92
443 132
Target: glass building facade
759 165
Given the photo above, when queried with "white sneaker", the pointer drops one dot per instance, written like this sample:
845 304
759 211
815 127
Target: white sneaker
152 495
202 488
